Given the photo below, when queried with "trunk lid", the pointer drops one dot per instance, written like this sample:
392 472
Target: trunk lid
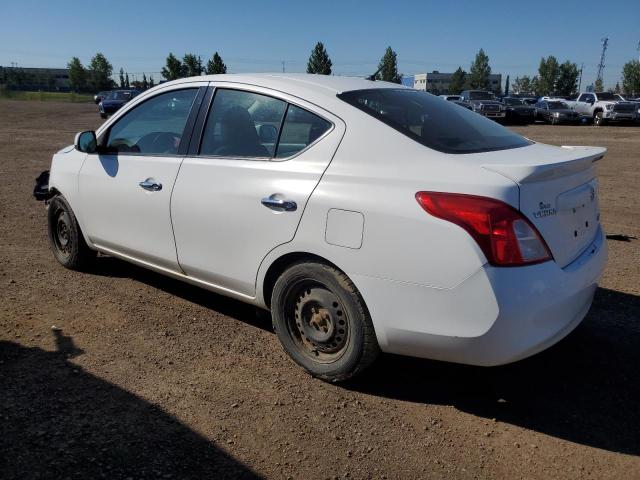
558 193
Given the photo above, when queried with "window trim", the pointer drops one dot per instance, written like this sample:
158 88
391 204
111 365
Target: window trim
200 125
186 131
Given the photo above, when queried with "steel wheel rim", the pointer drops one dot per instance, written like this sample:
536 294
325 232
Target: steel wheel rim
317 321
62 232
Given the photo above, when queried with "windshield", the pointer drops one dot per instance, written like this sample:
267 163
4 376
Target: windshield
119 96
442 126
606 96
557 105
512 101
481 96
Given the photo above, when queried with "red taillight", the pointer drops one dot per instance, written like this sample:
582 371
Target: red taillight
505 236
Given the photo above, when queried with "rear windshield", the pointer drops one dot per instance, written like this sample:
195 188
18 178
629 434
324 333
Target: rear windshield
425 118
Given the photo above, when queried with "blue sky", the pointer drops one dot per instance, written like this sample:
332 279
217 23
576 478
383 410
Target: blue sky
259 35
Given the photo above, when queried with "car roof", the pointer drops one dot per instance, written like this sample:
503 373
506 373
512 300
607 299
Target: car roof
308 86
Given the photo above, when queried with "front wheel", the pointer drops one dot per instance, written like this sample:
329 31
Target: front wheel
322 322
599 120
65 237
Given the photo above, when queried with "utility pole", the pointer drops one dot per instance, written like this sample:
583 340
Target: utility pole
605 43
283 66
580 77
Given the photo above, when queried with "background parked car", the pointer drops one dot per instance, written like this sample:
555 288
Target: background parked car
517 111
556 111
484 103
98 97
115 100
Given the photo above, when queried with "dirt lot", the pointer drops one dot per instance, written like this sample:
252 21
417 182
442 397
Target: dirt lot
144 377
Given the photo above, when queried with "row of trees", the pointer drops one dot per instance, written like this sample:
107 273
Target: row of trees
97 76
319 63
553 76
191 66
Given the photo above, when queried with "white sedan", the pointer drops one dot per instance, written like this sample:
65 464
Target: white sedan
366 216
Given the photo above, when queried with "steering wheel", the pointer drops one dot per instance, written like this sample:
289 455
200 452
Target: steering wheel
159 142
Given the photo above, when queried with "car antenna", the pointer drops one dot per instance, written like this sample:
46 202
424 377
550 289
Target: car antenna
373 77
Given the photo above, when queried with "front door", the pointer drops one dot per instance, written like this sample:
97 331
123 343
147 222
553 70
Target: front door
126 187
243 189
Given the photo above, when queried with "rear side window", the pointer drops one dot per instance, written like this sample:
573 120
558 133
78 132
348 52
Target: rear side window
425 118
242 124
300 129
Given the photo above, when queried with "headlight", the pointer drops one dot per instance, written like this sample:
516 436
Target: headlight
556 114
609 107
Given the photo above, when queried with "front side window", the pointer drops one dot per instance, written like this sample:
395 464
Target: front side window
154 127
299 130
242 124
442 126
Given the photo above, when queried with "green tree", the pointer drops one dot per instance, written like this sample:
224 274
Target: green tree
192 65
173 69
506 87
145 84
216 66
319 61
77 75
152 82
121 78
598 86
388 67
631 77
567 81
548 73
458 81
100 72
617 88
523 85
480 71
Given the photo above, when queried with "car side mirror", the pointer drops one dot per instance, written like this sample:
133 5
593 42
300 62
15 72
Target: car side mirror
267 133
86 141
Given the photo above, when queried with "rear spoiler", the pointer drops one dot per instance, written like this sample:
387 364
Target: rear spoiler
523 173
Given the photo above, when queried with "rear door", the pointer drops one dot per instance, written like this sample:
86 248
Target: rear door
125 189
256 157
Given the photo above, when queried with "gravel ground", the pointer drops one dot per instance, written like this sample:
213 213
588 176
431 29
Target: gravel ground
122 373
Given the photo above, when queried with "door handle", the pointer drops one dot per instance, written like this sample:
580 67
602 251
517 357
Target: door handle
151 185
279 204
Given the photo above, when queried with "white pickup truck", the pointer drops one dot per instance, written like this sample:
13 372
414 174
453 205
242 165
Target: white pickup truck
604 107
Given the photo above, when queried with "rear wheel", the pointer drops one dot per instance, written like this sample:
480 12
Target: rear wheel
322 321
65 237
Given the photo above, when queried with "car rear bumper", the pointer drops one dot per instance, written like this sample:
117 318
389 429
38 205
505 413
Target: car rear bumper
496 316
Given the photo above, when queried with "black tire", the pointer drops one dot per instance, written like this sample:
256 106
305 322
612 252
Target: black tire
65 238
322 322
103 115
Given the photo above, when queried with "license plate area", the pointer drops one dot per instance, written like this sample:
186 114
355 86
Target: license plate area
578 211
